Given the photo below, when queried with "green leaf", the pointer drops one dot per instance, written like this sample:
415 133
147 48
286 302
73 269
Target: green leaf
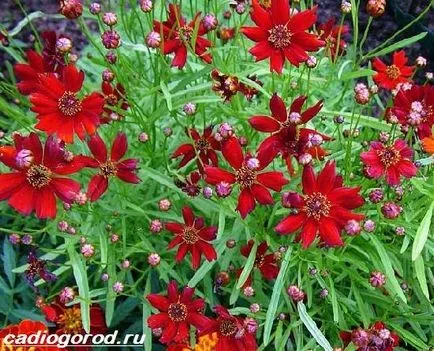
167 95
248 266
81 279
366 72
422 233
275 296
419 267
388 269
313 329
408 336
400 44
9 261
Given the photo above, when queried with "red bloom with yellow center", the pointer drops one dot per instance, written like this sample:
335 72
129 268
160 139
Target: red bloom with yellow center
325 207
109 167
248 174
59 109
177 312
280 36
25 327
333 36
38 176
231 333
177 37
391 161
414 108
289 139
193 237
267 264
388 77
203 147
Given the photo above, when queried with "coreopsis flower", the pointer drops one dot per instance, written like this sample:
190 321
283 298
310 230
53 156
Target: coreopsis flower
232 333
178 37
248 173
25 327
192 236
190 185
37 268
376 338
203 148
280 36
60 111
109 166
177 312
391 161
333 35
226 33
224 85
324 208
266 264
38 176
29 73
389 76
415 108
115 101
248 91
289 138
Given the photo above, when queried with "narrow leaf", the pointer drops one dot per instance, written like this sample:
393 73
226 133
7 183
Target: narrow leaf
422 233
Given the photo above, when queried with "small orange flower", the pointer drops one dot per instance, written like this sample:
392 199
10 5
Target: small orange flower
428 144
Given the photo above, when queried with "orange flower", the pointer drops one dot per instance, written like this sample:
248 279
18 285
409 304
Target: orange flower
428 144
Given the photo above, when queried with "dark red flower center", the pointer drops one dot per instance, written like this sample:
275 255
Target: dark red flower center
245 177
177 312
202 144
190 235
393 71
38 176
108 169
71 320
317 205
389 156
112 99
228 327
259 261
68 104
186 32
279 36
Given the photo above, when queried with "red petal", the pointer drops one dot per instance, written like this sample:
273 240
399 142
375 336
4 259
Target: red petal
180 57
72 78
291 223
254 33
215 175
264 124
97 186
246 203
260 16
98 148
159 320
308 233
280 11
161 303
272 180
329 232
277 60
65 189
261 194
325 180
188 215
9 183
45 203
232 152
207 249
23 200
119 147
308 180
278 108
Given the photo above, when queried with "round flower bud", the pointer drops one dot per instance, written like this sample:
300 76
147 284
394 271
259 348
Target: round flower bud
223 189
230 244
207 192
125 264
375 8
305 159
311 62
26 239
154 259
294 118
146 5
105 277
189 109
324 293
400 231
24 158
369 226
210 22
66 295
118 287
111 57
252 163
391 210
255 307
87 250
63 45
114 238
143 137
376 195
111 39
164 205
167 132
108 75
346 7
94 8
377 279
249 291
110 18
71 9
153 40
156 226
14 239
352 227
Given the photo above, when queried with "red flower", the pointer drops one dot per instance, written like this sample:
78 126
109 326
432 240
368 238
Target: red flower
50 53
204 147
111 166
178 311
37 178
393 161
377 337
25 327
60 111
178 35
414 108
231 332
388 77
266 264
190 185
332 34
288 138
247 173
192 237
115 101
324 207
29 73
280 35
